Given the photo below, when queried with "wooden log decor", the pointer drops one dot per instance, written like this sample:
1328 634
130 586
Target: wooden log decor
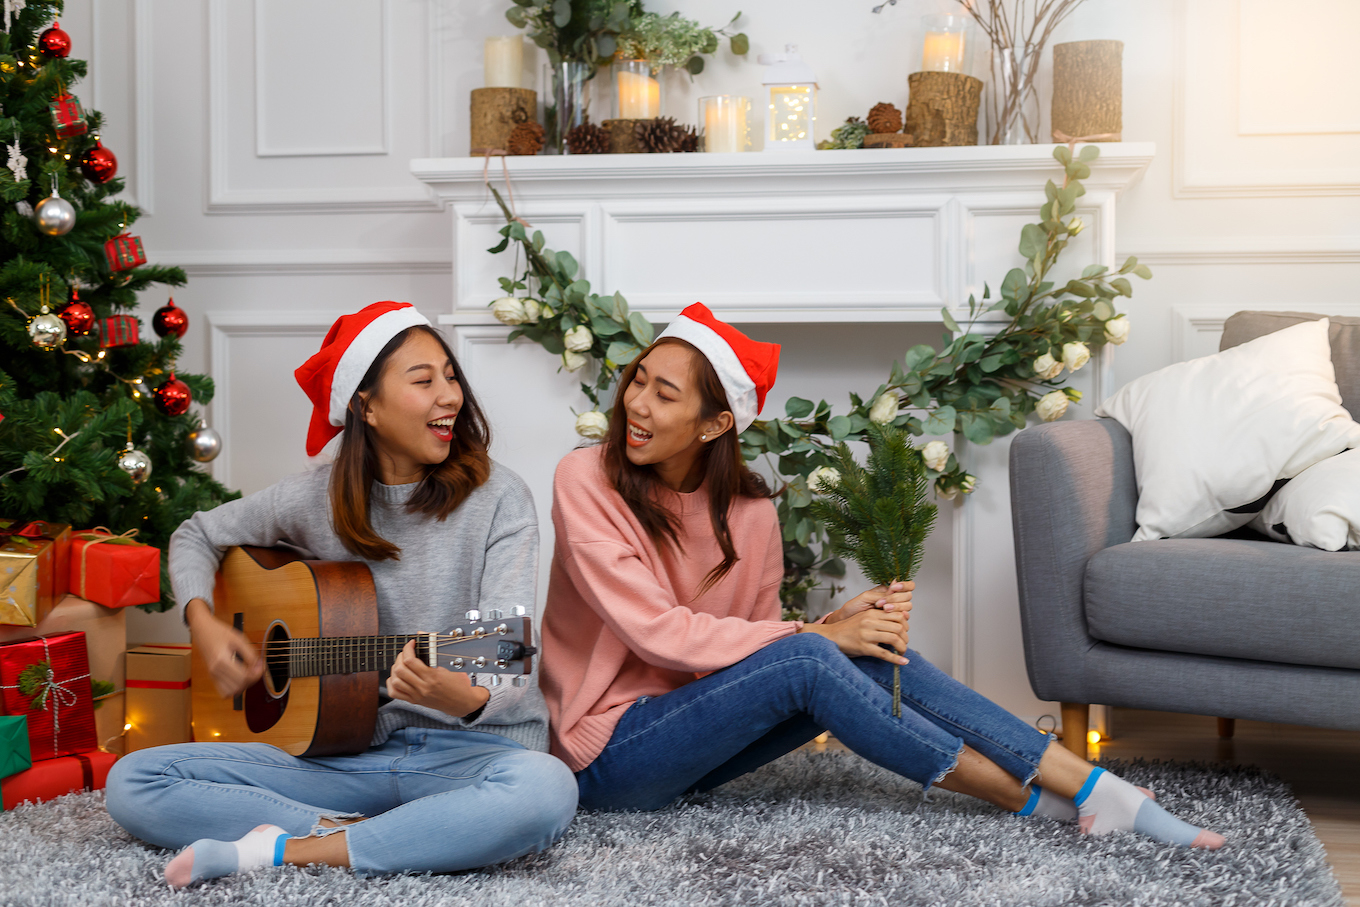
942 109
888 140
623 136
496 111
1088 79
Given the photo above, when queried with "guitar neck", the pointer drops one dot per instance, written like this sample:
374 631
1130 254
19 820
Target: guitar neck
344 654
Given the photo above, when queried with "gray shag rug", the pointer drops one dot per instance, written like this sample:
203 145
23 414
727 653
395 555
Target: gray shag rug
810 829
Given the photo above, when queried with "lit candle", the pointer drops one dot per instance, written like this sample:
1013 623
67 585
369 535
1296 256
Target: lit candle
724 119
503 59
946 45
639 96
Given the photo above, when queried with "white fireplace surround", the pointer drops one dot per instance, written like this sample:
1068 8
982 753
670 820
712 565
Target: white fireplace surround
866 236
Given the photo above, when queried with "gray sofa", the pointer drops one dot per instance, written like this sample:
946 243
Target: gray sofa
1232 627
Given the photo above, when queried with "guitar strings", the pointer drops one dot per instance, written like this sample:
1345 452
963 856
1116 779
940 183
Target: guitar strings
334 642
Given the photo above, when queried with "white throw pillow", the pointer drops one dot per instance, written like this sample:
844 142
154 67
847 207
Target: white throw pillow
1319 507
1214 434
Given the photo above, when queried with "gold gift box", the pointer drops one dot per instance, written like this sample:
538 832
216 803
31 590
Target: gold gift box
34 572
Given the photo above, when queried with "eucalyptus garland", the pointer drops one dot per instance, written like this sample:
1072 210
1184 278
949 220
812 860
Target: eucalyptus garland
1009 362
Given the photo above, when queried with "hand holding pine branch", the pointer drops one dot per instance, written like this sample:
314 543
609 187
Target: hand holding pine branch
877 513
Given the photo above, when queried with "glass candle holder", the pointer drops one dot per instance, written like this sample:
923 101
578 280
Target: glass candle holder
726 120
502 61
637 90
948 44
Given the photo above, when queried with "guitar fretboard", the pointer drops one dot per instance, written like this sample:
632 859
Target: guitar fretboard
344 654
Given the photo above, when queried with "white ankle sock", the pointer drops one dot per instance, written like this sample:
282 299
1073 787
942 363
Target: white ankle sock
1107 803
210 859
1043 802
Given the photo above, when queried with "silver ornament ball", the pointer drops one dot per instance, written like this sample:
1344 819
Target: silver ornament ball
55 216
204 444
47 330
136 464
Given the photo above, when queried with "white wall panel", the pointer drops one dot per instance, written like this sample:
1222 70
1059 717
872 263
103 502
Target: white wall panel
1297 71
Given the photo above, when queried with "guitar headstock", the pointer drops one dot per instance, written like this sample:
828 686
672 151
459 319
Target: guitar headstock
490 645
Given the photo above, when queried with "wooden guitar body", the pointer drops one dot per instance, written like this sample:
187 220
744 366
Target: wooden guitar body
270 594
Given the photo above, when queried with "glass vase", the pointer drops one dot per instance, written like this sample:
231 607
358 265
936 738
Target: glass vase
638 90
1014 103
567 102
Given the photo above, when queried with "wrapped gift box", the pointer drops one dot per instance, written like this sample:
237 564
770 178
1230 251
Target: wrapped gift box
52 778
34 569
68 116
124 251
159 709
119 330
114 570
14 752
47 679
105 632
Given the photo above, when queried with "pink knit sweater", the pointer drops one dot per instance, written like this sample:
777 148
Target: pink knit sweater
622 620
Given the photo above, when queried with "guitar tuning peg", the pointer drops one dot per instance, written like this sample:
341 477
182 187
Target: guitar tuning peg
473 615
520 680
519 611
496 680
493 614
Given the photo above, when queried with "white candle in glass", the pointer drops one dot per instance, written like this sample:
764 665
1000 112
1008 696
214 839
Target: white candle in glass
639 96
946 45
724 118
503 61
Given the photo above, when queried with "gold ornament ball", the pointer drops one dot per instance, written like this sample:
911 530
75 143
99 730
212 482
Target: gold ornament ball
204 444
47 330
136 464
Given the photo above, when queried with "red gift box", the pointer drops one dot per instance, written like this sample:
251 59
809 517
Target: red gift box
47 678
52 778
67 115
118 330
124 251
114 570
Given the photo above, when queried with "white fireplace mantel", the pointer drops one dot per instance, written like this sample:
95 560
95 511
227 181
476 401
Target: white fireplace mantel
830 237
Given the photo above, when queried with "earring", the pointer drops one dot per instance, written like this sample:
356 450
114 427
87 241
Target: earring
703 437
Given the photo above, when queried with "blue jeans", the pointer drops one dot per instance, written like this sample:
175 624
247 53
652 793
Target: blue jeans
440 800
735 720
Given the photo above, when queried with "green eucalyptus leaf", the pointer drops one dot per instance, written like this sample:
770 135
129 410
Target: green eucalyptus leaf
838 427
940 422
1062 154
1077 288
1078 171
834 567
917 356
740 44
1015 286
565 262
1103 311
694 65
1033 240
797 408
950 324
991 363
517 17
1093 271
1129 264
605 45
553 344
1143 271
976 428
622 351
1122 286
1088 153
799 495
561 13
500 246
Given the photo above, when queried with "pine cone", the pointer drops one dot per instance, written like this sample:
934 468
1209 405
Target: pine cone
885 118
587 138
659 135
689 139
526 138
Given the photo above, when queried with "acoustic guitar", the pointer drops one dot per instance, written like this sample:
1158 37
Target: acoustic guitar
316 625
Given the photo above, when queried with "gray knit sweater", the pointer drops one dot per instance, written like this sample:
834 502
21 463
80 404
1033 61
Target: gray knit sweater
483 556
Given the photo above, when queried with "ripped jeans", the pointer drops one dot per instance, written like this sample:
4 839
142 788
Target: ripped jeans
735 720
440 800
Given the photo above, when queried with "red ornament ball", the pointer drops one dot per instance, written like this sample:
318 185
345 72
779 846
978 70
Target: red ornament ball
173 397
98 164
54 42
77 314
170 319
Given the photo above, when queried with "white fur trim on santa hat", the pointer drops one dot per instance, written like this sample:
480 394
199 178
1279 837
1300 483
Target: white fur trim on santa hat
361 352
741 390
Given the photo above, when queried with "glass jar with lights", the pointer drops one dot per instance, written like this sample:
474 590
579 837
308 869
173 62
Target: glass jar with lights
791 92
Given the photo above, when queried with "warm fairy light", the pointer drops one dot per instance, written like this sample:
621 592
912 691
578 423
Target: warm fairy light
823 737
127 727
1093 737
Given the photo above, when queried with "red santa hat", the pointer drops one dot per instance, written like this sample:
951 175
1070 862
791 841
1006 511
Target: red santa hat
746 367
331 377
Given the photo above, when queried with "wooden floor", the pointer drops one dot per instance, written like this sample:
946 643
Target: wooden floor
1322 766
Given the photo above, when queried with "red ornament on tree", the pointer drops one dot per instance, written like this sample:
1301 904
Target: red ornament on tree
170 319
54 42
173 397
77 314
98 164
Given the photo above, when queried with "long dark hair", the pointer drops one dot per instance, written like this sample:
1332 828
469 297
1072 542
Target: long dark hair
444 486
726 475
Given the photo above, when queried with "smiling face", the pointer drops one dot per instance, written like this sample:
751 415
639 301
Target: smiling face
412 409
666 425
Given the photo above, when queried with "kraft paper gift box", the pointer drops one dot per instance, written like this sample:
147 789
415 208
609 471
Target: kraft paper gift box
114 570
47 680
105 632
158 696
52 778
14 753
34 569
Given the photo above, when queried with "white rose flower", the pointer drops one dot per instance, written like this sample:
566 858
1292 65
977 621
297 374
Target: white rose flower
594 425
573 361
1117 330
823 477
884 409
968 484
1075 355
579 339
531 311
1075 226
943 491
511 310
1046 368
1051 406
936 455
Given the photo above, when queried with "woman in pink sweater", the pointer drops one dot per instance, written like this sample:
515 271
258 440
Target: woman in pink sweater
665 665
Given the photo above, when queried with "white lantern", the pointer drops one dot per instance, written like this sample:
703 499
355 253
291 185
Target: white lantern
792 90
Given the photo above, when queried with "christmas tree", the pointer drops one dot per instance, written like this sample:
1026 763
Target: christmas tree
95 421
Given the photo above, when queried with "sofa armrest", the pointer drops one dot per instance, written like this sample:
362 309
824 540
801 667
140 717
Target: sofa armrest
1073 493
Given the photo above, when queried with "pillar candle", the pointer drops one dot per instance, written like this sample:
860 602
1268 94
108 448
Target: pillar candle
943 52
725 124
639 96
503 61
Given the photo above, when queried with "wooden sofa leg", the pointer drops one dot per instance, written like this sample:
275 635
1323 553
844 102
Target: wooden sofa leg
1227 727
1076 719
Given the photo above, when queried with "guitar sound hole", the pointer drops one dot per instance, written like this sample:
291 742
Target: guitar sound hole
276 658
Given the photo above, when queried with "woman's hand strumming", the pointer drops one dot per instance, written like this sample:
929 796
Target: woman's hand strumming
232 661
413 681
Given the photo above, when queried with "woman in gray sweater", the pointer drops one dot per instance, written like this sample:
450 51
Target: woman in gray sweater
456 775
